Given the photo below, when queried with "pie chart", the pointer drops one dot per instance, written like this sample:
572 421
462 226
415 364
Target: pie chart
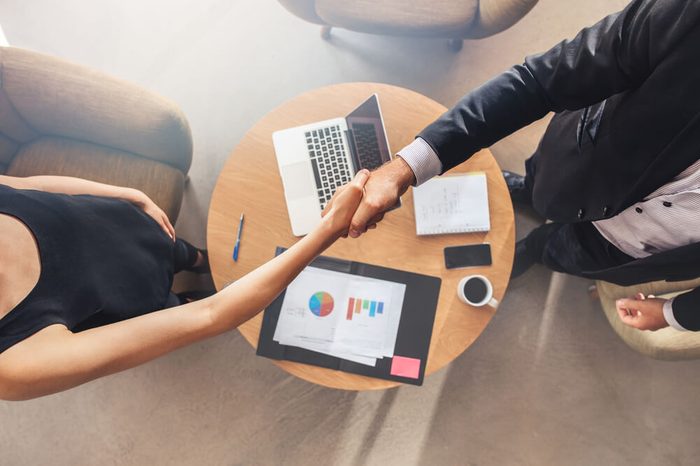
321 303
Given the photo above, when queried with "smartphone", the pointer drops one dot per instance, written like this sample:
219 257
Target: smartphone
467 256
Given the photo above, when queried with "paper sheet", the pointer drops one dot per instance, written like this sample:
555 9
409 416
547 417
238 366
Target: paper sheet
452 204
344 315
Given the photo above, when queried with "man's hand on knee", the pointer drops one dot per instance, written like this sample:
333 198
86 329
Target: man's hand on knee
383 189
642 313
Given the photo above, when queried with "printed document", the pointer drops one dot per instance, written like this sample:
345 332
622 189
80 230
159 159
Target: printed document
343 315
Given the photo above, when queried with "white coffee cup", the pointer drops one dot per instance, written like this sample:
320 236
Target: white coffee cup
479 288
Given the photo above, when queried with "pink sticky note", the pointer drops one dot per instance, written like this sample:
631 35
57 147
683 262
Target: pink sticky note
405 367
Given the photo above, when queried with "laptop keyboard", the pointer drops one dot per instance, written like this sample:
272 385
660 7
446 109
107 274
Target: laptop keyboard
367 145
329 161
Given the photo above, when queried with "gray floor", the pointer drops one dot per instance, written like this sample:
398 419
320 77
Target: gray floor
548 382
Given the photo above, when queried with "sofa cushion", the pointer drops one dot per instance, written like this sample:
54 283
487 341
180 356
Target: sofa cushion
12 125
58 156
418 17
8 149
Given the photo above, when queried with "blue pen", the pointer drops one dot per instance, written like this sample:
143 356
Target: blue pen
238 239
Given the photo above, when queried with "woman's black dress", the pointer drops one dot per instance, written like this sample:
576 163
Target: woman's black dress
102 260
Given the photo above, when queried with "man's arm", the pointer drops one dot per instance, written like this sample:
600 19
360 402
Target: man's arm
616 54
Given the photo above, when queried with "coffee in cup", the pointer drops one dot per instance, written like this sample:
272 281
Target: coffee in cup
477 291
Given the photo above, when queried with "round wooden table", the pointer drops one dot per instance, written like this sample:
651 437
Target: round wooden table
250 183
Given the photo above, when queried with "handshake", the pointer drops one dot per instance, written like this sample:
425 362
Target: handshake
360 205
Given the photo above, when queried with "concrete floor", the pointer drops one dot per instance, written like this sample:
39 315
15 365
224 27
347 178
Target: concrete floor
548 382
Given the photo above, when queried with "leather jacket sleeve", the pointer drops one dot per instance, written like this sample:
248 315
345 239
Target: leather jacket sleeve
614 55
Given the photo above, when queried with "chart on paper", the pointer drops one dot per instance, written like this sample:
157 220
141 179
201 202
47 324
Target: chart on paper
321 304
357 305
344 315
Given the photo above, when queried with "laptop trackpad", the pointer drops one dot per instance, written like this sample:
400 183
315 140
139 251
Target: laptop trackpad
299 180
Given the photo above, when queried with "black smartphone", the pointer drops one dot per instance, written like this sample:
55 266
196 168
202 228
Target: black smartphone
467 256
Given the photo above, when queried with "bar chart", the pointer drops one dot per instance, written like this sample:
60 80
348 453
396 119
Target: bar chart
357 305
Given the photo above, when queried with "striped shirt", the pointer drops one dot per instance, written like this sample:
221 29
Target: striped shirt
666 219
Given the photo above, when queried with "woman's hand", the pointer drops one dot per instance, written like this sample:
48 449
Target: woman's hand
152 210
643 313
342 206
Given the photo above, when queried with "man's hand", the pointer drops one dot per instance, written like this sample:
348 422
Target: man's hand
342 206
382 190
642 313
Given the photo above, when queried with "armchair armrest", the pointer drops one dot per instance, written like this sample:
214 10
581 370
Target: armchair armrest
304 9
495 16
58 98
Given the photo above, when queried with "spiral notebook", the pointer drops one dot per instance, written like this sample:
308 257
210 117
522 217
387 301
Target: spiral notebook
452 204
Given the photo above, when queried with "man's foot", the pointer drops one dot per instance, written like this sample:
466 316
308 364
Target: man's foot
519 193
523 260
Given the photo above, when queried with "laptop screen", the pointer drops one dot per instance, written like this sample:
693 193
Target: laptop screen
367 135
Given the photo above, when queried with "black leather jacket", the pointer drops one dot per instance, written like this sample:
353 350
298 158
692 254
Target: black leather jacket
627 96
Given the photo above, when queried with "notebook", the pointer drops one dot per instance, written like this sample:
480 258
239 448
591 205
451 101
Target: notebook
452 204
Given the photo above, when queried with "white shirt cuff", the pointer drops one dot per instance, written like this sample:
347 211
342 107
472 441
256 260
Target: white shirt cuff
670 318
422 159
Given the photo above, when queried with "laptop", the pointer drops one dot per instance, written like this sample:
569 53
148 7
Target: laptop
316 159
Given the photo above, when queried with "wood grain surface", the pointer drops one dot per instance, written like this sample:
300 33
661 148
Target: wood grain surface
250 183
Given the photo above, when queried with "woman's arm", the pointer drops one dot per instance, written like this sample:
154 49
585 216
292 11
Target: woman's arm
70 185
55 359
75 186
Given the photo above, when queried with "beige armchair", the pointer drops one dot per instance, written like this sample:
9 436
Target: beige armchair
667 343
451 19
59 118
